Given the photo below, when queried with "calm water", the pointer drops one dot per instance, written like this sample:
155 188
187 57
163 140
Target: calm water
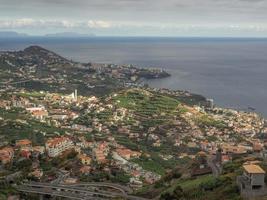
231 71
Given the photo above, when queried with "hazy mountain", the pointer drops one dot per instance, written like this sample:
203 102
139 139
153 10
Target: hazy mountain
69 34
8 34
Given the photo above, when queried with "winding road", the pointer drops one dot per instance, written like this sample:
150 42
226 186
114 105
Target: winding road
81 191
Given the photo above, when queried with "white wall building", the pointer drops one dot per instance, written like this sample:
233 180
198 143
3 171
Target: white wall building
254 175
56 146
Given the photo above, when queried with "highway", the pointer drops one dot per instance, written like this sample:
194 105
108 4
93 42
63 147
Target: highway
56 193
78 191
121 188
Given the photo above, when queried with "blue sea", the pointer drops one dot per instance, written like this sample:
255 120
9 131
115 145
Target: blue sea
232 71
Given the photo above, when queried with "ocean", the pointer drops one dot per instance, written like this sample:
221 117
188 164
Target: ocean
232 71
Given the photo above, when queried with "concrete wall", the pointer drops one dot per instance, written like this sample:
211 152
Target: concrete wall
257 179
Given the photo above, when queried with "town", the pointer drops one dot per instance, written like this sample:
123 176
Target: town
63 132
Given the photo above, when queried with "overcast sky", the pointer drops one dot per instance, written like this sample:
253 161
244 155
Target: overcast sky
136 17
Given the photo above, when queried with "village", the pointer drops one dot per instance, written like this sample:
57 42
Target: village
93 148
66 132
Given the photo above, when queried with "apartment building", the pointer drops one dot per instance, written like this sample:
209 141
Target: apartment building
55 146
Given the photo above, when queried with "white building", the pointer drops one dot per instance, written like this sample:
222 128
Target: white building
254 175
34 109
55 146
251 183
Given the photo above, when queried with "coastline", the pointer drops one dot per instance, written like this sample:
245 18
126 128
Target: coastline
231 71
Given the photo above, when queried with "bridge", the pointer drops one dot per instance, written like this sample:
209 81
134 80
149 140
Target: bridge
82 191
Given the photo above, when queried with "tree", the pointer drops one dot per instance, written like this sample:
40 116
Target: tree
176 194
72 155
24 164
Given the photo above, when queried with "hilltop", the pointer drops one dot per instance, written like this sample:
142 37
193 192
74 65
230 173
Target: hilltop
41 69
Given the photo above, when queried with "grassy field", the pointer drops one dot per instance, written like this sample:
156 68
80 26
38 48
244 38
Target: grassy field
206 121
17 124
151 109
146 103
194 183
31 94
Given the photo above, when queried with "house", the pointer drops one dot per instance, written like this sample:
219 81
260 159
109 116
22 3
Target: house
85 169
197 171
226 158
25 143
25 153
135 183
100 152
231 149
202 166
39 149
251 183
127 153
85 160
35 109
99 156
71 180
192 145
257 147
59 117
37 173
255 175
56 146
40 114
103 146
136 174
6 155
81 128
150 180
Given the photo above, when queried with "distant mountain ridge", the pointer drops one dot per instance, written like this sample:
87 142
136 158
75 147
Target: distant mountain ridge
69 34
13 34
9 34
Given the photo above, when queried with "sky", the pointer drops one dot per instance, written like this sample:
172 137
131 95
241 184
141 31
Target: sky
209 18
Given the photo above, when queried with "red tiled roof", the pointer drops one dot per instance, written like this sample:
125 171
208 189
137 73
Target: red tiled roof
24 142
56 141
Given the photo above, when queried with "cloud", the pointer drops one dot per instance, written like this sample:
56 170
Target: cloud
98 24
134 16
16 23
31 23
125 25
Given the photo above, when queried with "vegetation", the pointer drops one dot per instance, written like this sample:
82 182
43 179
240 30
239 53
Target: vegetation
146 104
150 165
31 94
174 186
206 121
17 124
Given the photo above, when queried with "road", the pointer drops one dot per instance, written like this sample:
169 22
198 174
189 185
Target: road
78 191
56 193
62 175
216 171
16 82
121 188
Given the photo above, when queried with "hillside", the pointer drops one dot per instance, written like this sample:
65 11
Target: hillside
159 143
36 68
164 127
